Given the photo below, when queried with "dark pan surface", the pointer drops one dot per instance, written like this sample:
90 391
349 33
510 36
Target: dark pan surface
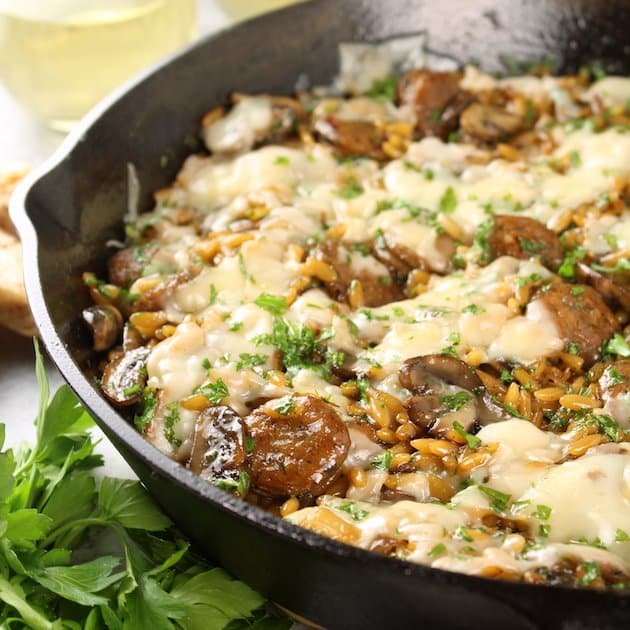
68 210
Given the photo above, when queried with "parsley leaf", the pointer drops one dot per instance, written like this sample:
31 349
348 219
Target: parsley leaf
618 345
472 440
383 88
383 461
275 304
455 402
499 501
448 201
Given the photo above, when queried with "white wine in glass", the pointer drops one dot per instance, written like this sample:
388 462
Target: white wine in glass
242 9
60 57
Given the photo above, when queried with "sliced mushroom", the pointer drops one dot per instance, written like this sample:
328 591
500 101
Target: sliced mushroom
154 299
424 411
490 124
436 100
126 265
125 377
352 137
299 446
426 377
422 374
218 450
105 323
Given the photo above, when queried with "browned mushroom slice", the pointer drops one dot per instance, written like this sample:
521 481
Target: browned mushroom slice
424 374
352 137
522 238
424 410
105 323
490 124
610 287
436 100
126 265
299 446
377 289
154 299
218 450
582 317
125 376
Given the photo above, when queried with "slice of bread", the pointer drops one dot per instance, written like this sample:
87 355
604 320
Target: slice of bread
14 310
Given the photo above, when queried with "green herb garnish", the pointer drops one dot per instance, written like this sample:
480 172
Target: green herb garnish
499 501
472 440
53 509
383 461
455 402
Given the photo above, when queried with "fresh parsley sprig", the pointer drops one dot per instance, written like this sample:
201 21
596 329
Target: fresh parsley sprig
52 509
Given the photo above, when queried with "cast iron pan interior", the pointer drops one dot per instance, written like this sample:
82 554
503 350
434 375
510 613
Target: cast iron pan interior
74 204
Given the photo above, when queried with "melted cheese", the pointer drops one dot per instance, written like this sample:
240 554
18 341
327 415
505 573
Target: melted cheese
297 193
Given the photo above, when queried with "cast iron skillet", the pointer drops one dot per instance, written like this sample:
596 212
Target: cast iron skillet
73 205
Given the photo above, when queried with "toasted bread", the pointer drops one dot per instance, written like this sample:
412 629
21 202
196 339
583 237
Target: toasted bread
14 310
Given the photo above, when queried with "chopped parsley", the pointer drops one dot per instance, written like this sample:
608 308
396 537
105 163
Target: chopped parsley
531 247
577 290
351 508
499 501
613 375
148 406
351 189
213 294
239 486
438 550
544 530
236 326
481 241
621 536
455 402
301 348
250 444
573 348
285 405
461 533
591 572
543 512
619 267
383 88
214 392
576 160
383 461
604 423
130 391
567 268
472 440
448 201
453 339
243 269
474 309
275 304
250 360
506 376
282 160
205 364
170 420
524 280
362 385
618 345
